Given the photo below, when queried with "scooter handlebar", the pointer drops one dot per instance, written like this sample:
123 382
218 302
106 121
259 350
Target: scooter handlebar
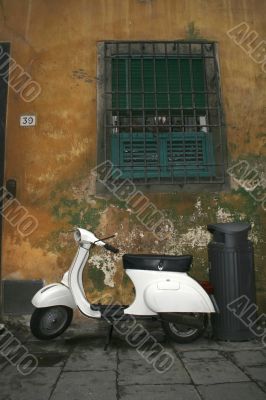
111 248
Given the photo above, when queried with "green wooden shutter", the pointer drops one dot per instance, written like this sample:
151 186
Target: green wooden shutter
135 153
189 154
140 155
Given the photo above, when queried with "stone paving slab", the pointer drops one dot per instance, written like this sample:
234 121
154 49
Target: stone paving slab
201 343
262 385
232 391
92 385
140 372
257 373
94 359
3 362
206 371
37 386
51 359
200 354
211 344
60 345
249 357
158 392
247 345
129 353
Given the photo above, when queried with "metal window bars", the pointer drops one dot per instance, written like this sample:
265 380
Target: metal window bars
162 112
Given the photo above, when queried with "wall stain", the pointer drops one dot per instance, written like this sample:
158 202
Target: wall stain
83 75
192 32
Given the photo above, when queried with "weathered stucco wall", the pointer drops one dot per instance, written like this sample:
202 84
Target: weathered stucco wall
55 42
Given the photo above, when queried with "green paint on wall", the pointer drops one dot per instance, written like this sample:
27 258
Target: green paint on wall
79 213
96 276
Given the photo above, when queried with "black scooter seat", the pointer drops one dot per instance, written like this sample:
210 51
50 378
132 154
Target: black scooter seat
157 262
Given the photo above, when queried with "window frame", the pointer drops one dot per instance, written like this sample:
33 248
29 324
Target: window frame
104 80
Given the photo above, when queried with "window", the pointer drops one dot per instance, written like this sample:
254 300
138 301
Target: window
160 113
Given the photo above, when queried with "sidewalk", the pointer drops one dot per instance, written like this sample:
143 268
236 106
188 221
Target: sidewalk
76 367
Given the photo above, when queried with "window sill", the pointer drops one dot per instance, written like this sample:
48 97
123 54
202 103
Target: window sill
171 188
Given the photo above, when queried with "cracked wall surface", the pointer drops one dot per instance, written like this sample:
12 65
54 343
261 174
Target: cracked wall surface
56 43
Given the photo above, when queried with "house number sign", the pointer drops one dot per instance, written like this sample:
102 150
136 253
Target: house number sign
27 120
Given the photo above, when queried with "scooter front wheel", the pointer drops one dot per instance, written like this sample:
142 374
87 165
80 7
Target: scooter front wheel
181 333
50 322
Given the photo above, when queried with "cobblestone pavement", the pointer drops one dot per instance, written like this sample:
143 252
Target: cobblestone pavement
76 367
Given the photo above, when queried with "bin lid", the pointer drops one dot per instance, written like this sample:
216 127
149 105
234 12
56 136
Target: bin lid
229 227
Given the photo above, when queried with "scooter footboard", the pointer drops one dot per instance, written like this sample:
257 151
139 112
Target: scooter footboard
55 294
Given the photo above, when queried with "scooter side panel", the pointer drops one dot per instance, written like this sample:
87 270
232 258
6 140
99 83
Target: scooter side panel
140 280
164 291
55 294
187 298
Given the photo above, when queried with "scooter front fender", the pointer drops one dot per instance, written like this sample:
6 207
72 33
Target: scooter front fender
55 294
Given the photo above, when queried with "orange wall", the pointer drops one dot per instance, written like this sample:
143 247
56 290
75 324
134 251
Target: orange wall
55 42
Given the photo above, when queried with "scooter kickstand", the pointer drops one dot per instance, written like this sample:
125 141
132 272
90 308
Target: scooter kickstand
109 336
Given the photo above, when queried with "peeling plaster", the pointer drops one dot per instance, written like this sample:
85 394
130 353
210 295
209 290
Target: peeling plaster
195 237
85 189
223 215
105 263
199 210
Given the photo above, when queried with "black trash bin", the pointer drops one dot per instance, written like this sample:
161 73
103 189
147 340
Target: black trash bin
231 269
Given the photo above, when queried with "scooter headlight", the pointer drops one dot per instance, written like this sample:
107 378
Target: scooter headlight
77 235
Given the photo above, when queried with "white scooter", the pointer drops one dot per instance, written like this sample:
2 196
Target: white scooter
163 290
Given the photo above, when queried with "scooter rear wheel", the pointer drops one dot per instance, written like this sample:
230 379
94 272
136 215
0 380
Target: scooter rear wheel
182 333
50 322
